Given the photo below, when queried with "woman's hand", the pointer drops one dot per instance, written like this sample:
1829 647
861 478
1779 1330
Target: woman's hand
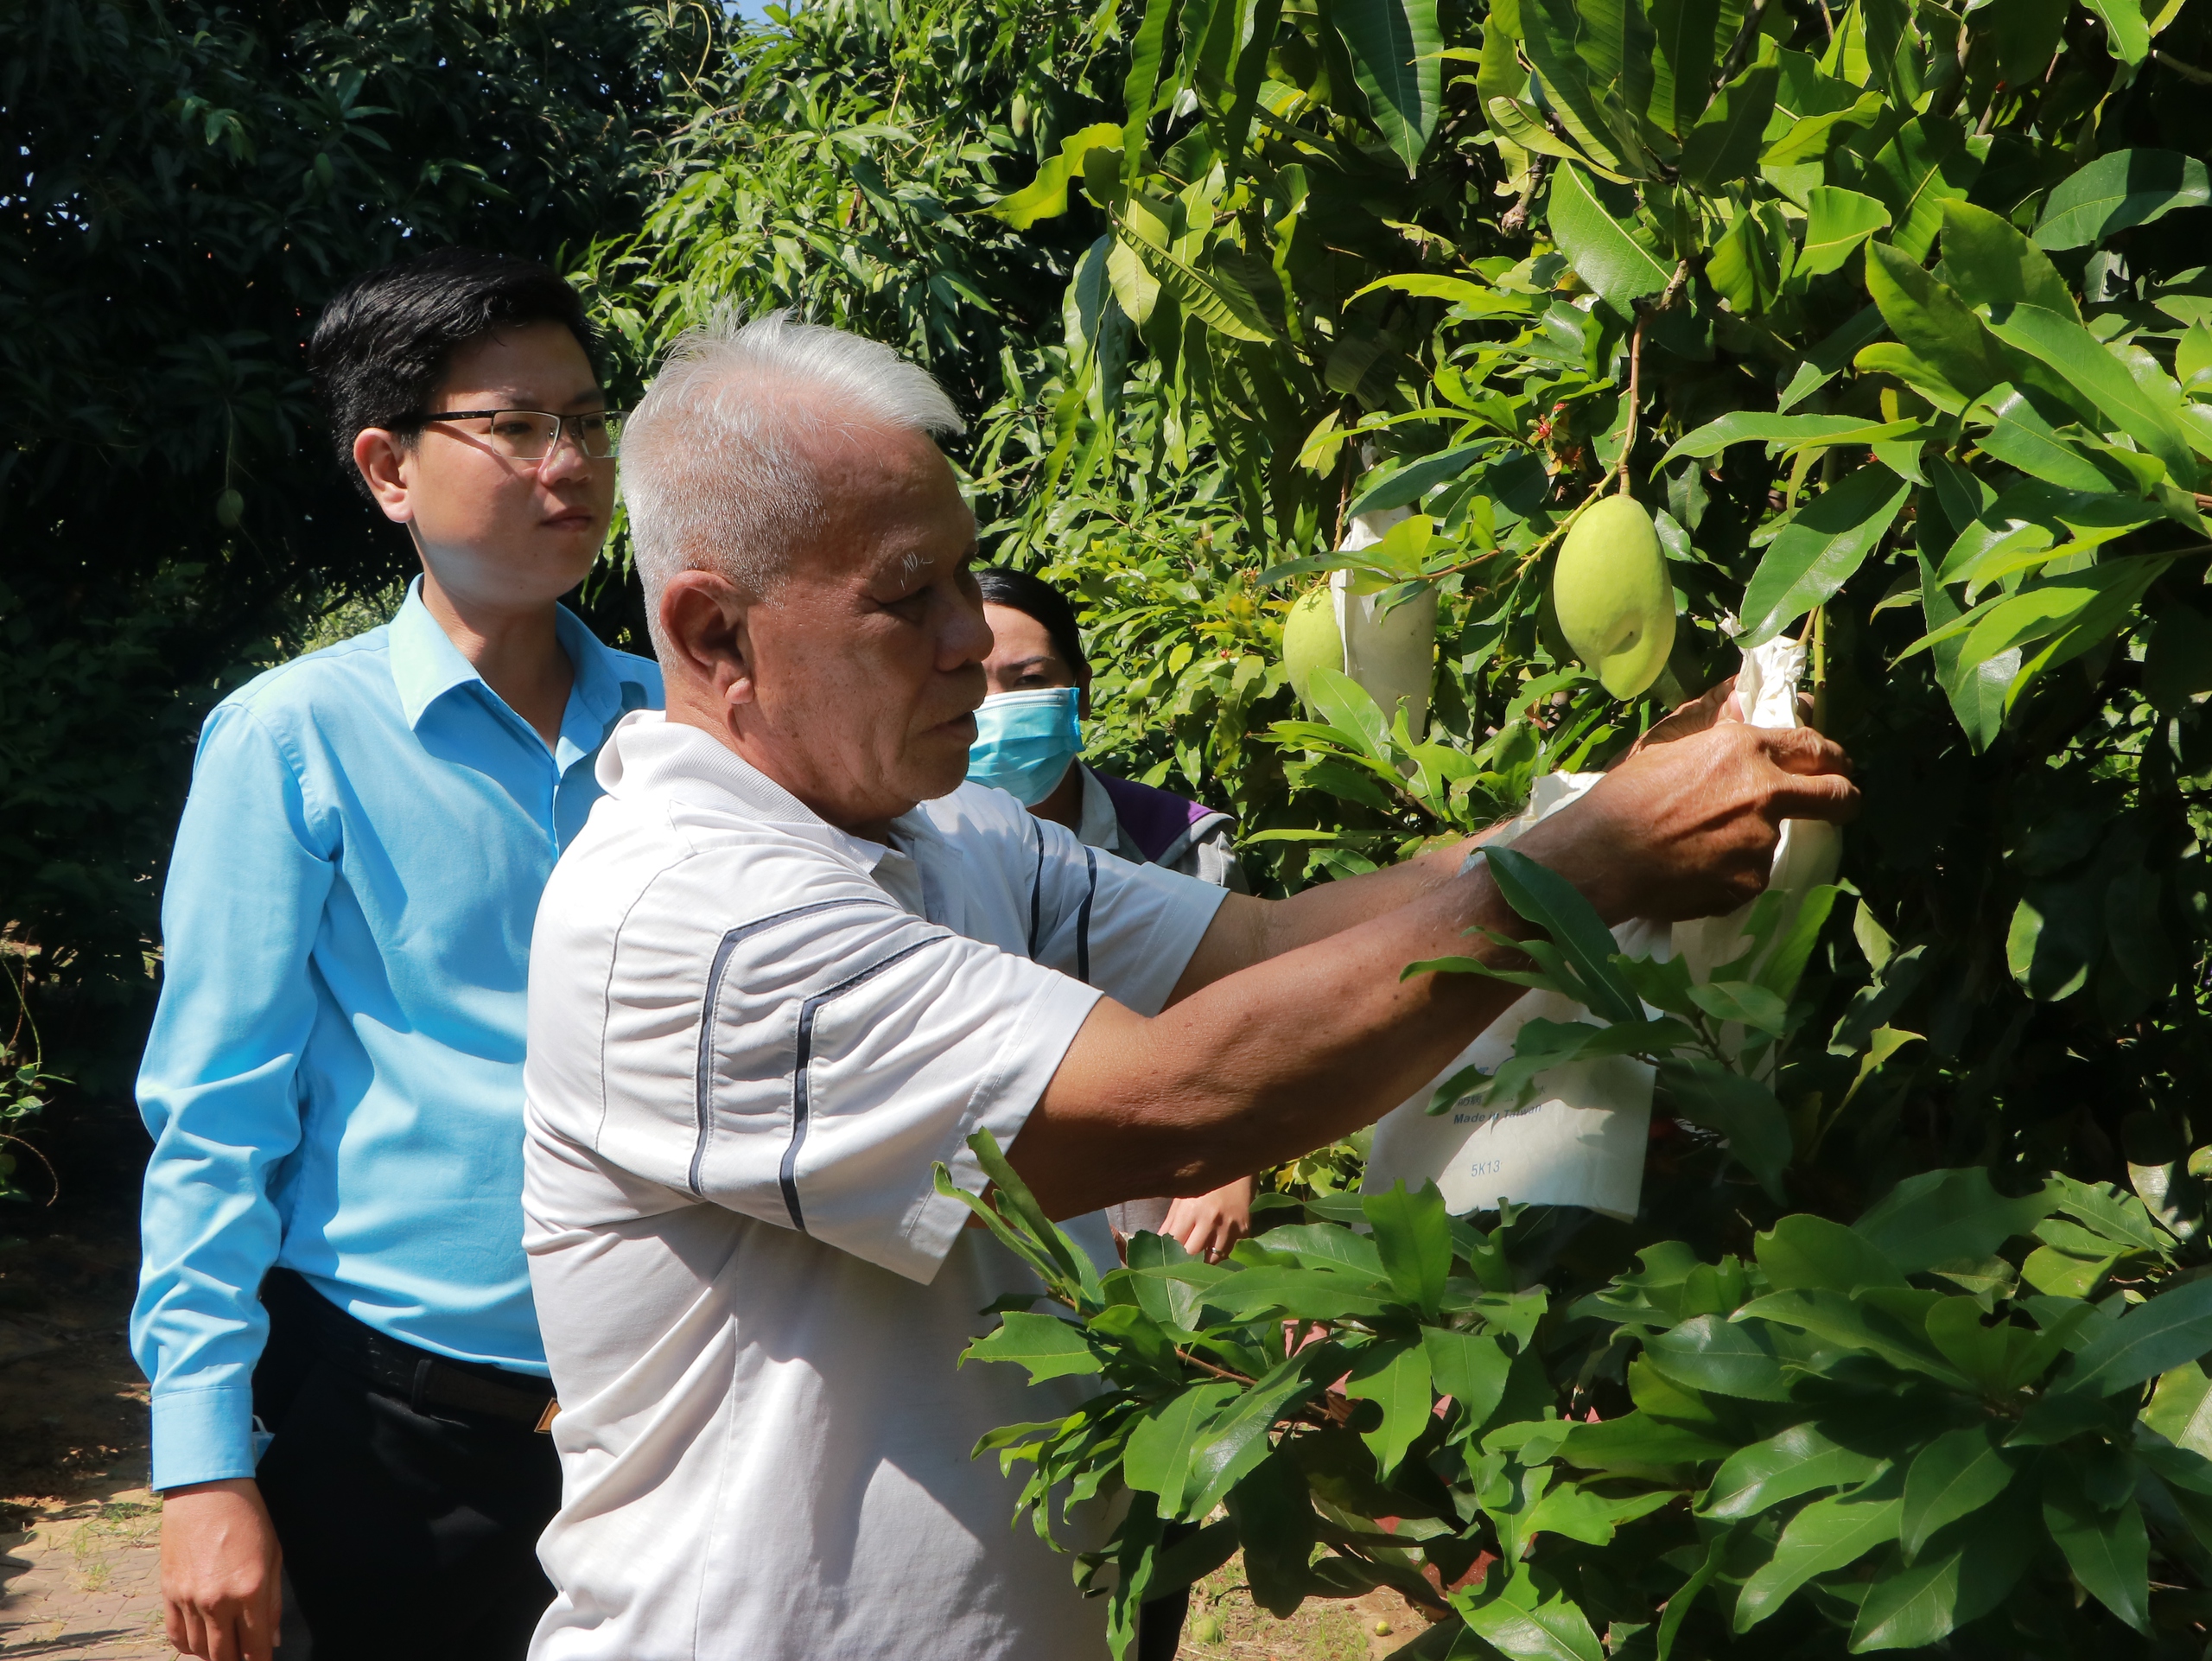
1209 1225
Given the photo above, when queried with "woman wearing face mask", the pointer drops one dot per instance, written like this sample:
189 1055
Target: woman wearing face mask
1029 742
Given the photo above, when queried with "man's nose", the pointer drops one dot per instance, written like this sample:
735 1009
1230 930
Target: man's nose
566 460
967 635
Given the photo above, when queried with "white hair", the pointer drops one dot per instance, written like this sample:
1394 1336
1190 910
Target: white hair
714 475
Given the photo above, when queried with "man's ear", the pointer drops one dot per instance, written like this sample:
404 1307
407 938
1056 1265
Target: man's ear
378 452
1083 693
703 619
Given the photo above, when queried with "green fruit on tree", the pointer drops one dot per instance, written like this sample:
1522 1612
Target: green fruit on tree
1614 601
230 508
1310 637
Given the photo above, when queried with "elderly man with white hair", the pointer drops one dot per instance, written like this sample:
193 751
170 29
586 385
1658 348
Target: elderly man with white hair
793 962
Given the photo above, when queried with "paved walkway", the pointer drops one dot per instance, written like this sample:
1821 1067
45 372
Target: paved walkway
84 1581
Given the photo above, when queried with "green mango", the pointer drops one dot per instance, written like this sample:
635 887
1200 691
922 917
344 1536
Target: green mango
1615 600
1310 636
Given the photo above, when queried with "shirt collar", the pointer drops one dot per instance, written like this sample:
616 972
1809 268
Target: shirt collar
425 664
648 755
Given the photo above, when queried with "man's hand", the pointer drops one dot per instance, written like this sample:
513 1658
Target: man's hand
1209 1225
1687 828
221 1588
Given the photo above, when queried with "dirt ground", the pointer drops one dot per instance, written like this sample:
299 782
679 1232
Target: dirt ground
81 1534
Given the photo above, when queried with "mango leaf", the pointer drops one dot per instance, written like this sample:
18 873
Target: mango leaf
2127 37
1708 1352
1934 323
1836 221
2146 407
2108 1549
1549 901
1543 1044
2021 438
1395 1378
1828 1534
1394 46
1840 1320
1048 1346
1557 1631
1347 706
2181 1409
1819 550
1636 1444
1469 1367
1724 145
1219 300
1682 64
1959 1473
1741 1109
1413 1233
1046 197
1916 1606
1925 164
1237 1440
1943 1216
1800 1459
2152 1337
1805 1250
2119 190
1300 1294
1989 262
1158 1459
1326 1246
1792 432
1752 260
1554 33
1613 257
1745 1003
1685 1596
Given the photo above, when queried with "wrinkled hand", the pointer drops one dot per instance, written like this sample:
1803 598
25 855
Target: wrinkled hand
1687 827
1719 703
1210 1224
222 1584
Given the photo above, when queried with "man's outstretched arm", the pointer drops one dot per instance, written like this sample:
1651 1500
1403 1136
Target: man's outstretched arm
1278 1044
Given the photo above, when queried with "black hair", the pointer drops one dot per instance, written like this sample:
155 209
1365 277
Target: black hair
1018 591
383 343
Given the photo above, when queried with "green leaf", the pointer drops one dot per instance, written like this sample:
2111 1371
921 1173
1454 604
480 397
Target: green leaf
2021 438
1469 1367
1683 65
1158 1459
2181 1409
1989 262
1275 1523
1803 1250
1934 323
1942 1215
1048 1346
1046 197
1925 164
1326 1246
1740 1107
1301 1294
1394 46
1836 221
1828 1534
1636 1444
1791 431
1743 1002
1219 300
2119 190
1708 1352
1855 1325
1413 1232
1819 549
1908 1606
1554 905
2145 406
2108 1550
1798 1461
1395 1376
1555 33
1959 1473
1347 706
1724 146
1611 257
2127 37
2152 1337
1557 1631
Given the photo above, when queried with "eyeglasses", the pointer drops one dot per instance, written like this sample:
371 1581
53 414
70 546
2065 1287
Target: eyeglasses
533 435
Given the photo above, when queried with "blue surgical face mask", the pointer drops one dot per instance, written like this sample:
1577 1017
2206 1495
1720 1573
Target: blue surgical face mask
1025 741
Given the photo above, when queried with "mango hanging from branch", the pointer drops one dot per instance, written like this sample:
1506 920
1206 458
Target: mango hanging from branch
1614 600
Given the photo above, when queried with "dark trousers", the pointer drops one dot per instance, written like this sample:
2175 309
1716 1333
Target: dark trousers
405 1532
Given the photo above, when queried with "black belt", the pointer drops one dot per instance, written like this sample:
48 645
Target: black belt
404 1372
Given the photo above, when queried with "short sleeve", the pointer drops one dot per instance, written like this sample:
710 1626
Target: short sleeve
845 1049
1129 930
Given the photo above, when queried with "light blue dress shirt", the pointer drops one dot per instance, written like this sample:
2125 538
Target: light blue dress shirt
333 1081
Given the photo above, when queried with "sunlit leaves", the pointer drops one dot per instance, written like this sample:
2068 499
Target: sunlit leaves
2121 188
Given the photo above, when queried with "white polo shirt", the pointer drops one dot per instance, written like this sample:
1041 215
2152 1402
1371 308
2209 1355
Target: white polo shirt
752 1036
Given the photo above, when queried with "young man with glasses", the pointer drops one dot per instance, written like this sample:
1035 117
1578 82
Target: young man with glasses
333 1309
